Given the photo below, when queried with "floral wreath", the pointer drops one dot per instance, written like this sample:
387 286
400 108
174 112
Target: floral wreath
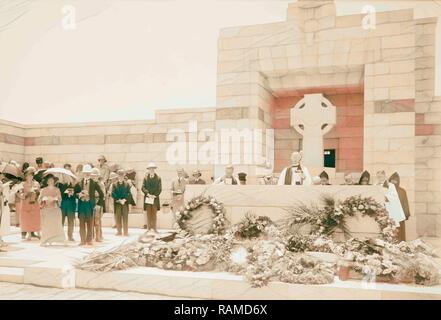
325 220
185 214
371 208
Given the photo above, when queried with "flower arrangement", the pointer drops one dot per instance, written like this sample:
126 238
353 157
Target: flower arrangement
299 243
185 214
252 226
331 215
311 242
369 207
190 253
409 261
263 251
300 268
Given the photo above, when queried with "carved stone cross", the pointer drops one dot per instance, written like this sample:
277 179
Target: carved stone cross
313 117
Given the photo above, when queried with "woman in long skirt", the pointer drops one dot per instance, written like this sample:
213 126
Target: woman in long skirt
5 215
51 217
29 207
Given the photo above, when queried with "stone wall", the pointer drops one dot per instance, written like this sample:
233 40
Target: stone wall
11 141
428 132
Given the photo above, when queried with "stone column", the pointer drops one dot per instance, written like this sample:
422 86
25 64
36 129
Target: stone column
389 117
428 133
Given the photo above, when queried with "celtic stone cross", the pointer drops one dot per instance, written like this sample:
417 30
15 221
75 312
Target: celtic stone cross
313 117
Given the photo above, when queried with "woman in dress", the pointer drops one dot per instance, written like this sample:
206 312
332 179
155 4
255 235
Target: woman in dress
4 210
29 207
51 218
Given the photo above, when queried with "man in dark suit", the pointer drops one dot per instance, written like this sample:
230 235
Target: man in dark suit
89 194
152 188
121 196
68 207
40 169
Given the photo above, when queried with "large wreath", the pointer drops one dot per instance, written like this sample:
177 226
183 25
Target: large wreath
186 213
332 214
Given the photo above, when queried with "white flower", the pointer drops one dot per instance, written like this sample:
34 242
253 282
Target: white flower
239 255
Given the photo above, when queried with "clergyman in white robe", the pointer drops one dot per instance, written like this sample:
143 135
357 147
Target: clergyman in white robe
393 204
296 174
298 178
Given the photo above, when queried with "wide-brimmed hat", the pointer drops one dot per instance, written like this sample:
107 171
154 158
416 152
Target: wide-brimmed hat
151 165
95 172
87 168
30 169
113 175
15 163
101 157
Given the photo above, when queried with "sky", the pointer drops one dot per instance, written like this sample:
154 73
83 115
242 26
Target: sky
125 58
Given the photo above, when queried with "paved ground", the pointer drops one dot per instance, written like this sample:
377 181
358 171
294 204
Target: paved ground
21 249
13 291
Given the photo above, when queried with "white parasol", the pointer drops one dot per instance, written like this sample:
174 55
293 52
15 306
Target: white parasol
63 175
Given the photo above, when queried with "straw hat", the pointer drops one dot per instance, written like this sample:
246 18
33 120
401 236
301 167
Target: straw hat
87 168
30 169
113 175
151 165
95 172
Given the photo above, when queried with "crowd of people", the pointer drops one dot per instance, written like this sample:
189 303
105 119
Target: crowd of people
45 198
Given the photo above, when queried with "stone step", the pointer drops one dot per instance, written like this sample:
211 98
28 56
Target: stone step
15 275
16 263
226 286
